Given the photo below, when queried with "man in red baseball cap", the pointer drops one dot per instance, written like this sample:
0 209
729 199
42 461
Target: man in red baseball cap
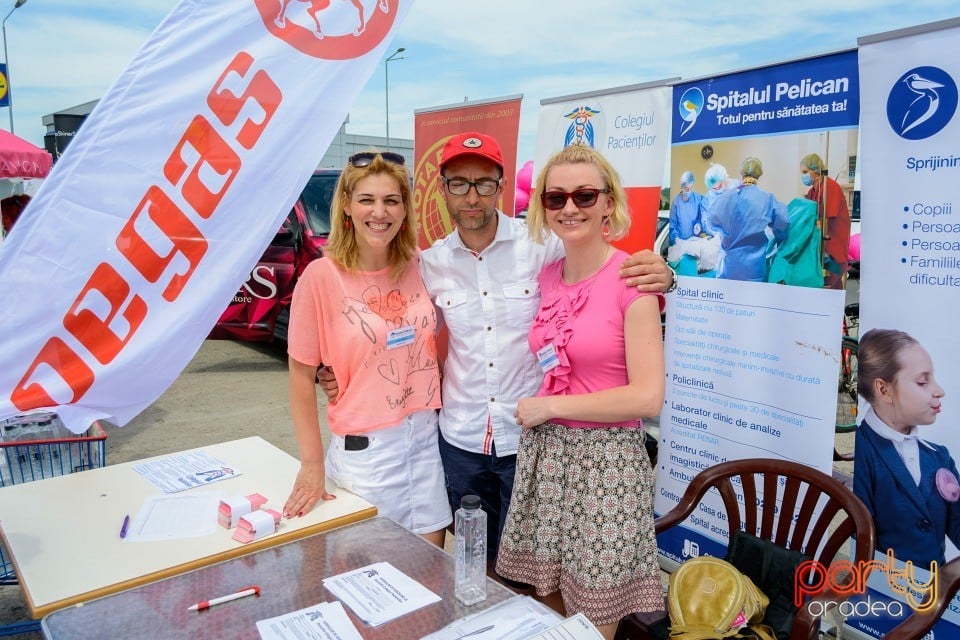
471 170
484 278
470 143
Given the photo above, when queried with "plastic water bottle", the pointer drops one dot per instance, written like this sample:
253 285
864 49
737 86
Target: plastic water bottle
470 554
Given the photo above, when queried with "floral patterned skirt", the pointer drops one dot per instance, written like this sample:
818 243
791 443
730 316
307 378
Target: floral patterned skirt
581 521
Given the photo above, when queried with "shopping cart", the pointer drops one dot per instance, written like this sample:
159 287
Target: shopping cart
35 446
38 445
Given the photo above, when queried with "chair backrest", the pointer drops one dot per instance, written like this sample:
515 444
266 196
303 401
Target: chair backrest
918 624
789 521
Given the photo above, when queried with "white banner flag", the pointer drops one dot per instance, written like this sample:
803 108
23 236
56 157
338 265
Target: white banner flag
173 188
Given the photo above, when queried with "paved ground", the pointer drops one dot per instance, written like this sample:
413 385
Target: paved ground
229 390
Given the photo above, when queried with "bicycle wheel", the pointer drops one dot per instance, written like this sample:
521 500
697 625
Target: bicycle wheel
847 386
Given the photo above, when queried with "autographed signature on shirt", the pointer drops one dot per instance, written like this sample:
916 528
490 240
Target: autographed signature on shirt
402 400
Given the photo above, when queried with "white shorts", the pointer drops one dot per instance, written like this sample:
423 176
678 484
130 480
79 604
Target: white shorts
399 472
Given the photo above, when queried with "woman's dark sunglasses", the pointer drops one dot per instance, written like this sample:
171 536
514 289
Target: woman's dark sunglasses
556 200
364 158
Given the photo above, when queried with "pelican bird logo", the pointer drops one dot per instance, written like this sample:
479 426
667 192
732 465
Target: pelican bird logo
924 106
690 106
580 130
921 102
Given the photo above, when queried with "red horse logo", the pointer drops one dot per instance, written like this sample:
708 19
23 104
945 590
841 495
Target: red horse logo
330 29
317 6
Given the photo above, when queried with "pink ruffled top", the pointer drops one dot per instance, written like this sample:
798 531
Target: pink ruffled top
584 322
554 322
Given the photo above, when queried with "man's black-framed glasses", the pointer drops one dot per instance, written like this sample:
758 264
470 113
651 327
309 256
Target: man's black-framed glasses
461 186
556 200
364 158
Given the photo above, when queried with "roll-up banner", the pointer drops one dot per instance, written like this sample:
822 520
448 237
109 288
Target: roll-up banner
630 126
752 335
433 126
910 257
172 189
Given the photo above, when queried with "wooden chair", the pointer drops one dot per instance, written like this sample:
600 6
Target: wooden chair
819 538
918 624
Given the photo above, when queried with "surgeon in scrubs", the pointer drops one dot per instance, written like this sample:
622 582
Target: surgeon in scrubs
686 210
717 182
834 214
747 218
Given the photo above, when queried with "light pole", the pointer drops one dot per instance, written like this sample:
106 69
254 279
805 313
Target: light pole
6 58
386 83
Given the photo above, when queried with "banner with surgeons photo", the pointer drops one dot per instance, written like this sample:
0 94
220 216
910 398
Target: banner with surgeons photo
761 186
630 126
910 126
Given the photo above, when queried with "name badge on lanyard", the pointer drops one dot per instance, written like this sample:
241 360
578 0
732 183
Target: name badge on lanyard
400 337
547 357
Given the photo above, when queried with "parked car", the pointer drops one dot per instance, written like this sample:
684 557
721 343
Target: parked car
260 310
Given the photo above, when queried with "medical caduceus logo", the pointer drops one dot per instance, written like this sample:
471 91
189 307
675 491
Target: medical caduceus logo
921 102
329 29
581 130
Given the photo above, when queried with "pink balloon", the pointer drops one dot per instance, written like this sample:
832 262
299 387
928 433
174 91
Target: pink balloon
525 176
521 199
853 250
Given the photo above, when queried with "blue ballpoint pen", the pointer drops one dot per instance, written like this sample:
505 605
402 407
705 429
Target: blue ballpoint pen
123 527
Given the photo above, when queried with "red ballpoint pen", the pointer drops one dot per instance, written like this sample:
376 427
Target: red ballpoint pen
243 593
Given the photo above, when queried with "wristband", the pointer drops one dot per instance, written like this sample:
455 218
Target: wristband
673 283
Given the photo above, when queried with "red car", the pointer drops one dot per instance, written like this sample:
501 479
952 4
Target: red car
260 310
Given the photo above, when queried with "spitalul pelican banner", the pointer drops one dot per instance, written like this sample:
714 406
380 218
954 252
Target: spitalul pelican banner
753 333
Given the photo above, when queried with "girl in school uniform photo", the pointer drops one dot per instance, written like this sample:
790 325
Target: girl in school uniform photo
909 484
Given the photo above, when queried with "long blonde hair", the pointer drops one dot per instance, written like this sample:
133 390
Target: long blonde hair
618 221
343 247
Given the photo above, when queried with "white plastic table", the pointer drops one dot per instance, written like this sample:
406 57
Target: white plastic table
63 533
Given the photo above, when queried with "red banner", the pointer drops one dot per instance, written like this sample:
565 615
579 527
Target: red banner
499 117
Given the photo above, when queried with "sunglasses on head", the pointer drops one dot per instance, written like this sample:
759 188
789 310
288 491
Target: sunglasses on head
364 158
556 200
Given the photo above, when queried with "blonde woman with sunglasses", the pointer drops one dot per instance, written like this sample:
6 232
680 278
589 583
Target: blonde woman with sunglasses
363 310
581 515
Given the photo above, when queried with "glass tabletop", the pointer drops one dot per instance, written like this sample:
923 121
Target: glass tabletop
290 578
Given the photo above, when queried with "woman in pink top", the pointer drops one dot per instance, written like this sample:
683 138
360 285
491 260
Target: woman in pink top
581 515
363 310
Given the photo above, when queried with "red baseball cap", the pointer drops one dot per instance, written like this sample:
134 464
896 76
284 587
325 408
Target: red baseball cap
473 144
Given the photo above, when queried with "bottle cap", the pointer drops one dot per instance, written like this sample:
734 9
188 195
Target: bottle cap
470 502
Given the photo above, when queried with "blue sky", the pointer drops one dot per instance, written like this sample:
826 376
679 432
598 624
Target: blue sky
67 52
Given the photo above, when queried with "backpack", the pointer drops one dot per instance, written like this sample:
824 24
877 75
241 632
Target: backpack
710 598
